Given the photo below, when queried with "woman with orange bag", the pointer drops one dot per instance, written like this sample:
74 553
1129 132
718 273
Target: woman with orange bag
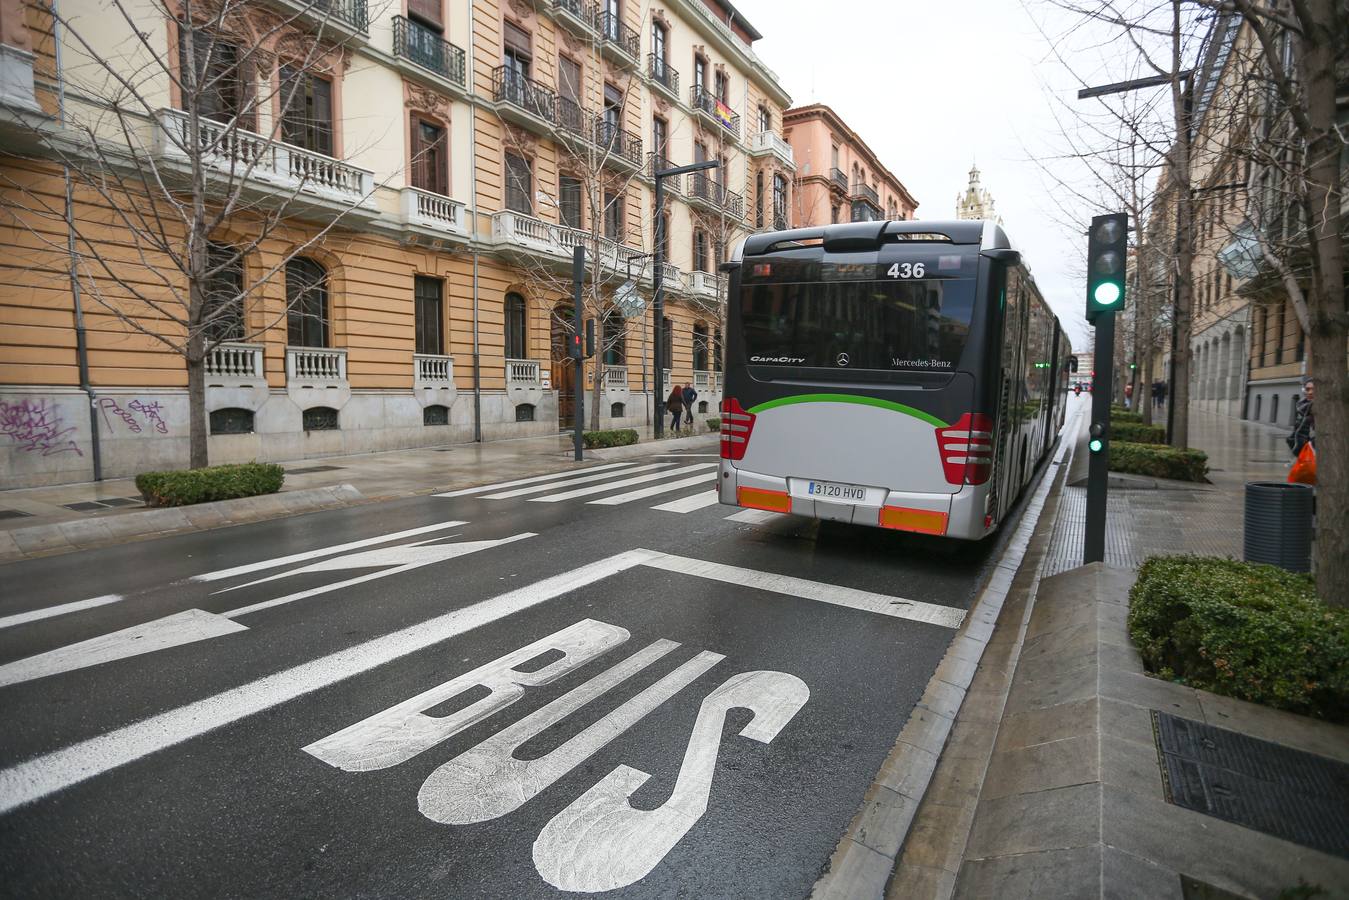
1302 439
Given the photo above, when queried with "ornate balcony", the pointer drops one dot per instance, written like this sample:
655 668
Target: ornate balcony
616 379
862 190
523 373
621 147
713 195
577 15
433 211
671 279
525 235
838 179
705 284
714 111
234 360
663 76
524 101
433 369
656 163
322 364
292 175
426 50
767 142
621 43
342 16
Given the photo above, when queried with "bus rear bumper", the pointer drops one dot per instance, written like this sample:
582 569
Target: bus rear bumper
958 515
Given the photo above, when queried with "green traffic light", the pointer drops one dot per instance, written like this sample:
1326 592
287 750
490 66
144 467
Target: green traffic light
1107 293
1095 445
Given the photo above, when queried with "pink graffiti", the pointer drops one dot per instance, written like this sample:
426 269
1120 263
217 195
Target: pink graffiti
36 426
150 411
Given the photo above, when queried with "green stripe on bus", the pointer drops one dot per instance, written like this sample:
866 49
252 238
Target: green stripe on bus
849 398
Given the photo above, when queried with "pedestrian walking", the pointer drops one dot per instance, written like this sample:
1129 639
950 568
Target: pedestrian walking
689 396
1128 395
1161 393
1304 420
675 404
1156 394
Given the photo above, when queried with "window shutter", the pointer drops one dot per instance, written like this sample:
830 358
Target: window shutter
426 10
418 150
517 39
322 115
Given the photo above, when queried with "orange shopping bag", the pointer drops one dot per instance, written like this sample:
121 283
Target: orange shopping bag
1304 468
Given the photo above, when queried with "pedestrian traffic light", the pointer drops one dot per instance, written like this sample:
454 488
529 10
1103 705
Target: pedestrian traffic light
574 350
1107 248
1097 442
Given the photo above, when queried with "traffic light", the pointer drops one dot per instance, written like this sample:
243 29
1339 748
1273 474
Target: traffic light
590 338
574 349
1097 442
1107 249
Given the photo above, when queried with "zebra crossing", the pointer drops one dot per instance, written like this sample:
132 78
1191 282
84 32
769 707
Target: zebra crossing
618 484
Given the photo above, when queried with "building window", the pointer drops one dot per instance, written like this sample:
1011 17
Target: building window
666 344
232 421
426 11
519 185
306 303
700 347
1274 408
307 119
569 201
223 83
613 216
699 74
320 418
222 315
1258 398
659 48
429 305
430 161
524 412
617 411
517 54
515 327
758 199
1281 326
721 87
610 135
660 136
716 350
663 234
699 250
833 156
779 201
765 119
833 213
702 406
436 415
615 341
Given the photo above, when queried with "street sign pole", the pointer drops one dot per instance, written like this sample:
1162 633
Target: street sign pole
578 273
1098 468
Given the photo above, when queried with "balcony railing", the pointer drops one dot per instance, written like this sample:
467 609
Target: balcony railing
432 210
559 240
670 277
780 222
235 361
424 47
433 369
615 378
866 192
523 373
616 33
621 143
702 381
713 192
523 93
706 283
769 142
351 13
244 154
865 211
839 178
662 73
657 163
316 364
714 109
577 8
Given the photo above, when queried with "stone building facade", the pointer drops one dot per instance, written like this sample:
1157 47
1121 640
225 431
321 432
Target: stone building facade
839 177
976 202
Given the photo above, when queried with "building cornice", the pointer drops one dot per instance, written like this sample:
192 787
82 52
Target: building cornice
732 46
835 121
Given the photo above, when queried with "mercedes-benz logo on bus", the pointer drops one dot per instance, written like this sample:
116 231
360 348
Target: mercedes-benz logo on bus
842 359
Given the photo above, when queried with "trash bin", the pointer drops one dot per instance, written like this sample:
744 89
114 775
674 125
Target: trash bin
1279 524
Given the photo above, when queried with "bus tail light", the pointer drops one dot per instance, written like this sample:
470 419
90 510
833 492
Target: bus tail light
966 449
736 426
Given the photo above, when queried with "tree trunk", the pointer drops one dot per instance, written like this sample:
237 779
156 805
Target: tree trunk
598 389
196 407
1181 354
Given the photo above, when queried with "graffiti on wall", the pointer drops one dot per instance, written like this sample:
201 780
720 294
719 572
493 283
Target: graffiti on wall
136 415
35 425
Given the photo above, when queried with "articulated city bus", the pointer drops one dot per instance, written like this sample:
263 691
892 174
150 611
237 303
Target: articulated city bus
905 375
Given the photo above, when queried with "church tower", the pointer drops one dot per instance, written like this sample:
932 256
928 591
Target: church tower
975 203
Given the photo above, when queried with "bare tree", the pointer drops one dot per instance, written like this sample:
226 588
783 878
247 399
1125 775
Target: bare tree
165 203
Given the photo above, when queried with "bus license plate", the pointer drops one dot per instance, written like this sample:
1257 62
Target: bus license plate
831 490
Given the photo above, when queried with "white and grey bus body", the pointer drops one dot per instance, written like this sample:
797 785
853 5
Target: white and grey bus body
896 374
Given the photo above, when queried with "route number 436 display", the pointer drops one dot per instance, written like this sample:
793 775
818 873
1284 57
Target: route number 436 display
906 270
599 842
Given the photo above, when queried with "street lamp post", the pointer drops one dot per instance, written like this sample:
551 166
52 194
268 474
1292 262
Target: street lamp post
657 296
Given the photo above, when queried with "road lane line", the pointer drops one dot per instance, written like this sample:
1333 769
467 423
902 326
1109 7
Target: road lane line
867 601
61 610
652 491
323 551
690 503
640 479
753 516
484 488
553 485
44 775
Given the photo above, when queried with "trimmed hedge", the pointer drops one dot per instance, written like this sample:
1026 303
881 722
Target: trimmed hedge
190 486
1120 414
1249 631
1158 461
1137 433
714 424
618 437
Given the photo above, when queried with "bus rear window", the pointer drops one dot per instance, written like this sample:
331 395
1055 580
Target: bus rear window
888 325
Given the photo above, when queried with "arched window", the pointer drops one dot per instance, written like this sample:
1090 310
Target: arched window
666 344
307 313
617 411
700 347
436 415
320 418
716 350
223 314
615 341
758 199
232 421
524 412
779 201
516 345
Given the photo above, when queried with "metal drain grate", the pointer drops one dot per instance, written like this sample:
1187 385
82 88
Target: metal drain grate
310 469
1297 796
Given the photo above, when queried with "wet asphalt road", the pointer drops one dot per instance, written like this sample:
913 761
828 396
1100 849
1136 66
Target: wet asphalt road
659 702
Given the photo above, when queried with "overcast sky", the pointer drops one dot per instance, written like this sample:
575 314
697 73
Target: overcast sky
933 87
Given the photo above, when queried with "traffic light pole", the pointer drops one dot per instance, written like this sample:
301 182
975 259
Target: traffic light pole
1098 469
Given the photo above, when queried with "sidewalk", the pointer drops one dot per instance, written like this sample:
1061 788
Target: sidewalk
1064 775
60 518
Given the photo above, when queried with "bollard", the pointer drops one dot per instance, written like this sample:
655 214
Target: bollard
1279 524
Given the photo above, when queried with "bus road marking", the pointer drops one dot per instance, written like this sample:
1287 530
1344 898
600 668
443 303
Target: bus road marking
692 502
753 516
484 488
569 482
60 610
643 493
626 482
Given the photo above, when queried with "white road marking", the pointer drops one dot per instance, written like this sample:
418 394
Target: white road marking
416 556
323 551
896 607
402 731
600 843
181 628
484 488
540 488
642 493
626 482
686 455
754 516
61 610
488 781
45 775
690 503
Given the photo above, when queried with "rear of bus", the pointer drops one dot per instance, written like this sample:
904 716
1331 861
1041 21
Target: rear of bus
861 366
